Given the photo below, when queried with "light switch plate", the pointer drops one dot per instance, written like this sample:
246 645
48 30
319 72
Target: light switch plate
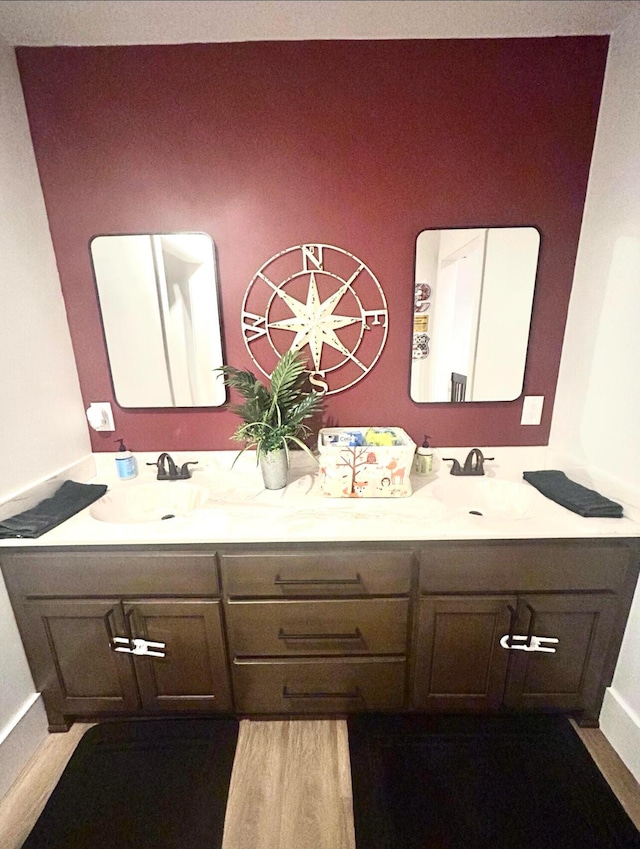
532 409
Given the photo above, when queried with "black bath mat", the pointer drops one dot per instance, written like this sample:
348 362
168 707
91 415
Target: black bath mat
480 783
147 784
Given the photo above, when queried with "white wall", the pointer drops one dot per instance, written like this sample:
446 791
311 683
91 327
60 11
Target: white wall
42 424
505 313
130 310
596 422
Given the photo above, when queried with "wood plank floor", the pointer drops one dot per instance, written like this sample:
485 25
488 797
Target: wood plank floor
290 787
620 779
24 802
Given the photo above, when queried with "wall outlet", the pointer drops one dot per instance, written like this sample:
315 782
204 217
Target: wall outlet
100 416
532 409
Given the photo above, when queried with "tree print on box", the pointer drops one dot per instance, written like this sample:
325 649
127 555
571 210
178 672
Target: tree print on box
356 462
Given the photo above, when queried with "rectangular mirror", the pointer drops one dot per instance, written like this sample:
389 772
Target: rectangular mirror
473 297
158 298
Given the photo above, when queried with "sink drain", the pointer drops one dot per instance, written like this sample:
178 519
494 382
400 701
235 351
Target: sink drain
475 512
169 516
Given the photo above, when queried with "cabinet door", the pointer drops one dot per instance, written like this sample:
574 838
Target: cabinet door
192 676
460 665
71 649
569 678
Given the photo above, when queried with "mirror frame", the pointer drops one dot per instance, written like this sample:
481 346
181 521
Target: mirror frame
217 343
423 319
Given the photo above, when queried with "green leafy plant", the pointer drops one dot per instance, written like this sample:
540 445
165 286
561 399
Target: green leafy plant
273 416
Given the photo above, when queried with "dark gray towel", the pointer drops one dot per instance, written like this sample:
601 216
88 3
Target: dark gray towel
581 500
68 500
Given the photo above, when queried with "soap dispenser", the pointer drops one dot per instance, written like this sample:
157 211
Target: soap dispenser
423 462
126 464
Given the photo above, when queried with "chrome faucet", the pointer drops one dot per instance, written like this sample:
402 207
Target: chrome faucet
473 465
169 471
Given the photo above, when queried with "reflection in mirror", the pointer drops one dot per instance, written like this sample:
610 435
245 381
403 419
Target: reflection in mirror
473 297
159 303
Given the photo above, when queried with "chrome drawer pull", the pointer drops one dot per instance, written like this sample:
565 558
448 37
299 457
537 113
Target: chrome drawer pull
319 582
354 694
527 643
315 637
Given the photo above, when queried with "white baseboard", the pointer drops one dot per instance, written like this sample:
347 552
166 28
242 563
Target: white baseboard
20 739
621 726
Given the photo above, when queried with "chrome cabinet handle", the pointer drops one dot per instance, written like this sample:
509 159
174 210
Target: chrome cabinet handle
352 694
357 635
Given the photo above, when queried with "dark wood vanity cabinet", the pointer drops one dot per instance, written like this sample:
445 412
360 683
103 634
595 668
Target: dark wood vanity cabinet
464 662
83 660
323 628
459 664
192 675
318 630
569 677
68 643
545 638
82 614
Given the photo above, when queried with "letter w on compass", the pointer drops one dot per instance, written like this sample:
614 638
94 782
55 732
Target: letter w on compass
253 326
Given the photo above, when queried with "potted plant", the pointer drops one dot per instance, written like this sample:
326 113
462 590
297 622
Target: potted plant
273 416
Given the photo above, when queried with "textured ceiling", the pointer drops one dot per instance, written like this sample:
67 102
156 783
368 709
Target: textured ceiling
85 22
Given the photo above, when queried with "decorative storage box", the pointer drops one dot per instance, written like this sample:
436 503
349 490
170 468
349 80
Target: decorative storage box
365 462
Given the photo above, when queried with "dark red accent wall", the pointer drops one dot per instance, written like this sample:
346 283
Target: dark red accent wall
359 144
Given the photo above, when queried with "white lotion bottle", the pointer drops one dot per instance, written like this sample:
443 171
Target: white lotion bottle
423 462
126 464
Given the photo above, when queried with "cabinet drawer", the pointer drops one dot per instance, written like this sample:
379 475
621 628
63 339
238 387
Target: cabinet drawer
111 573
341 572
526 566
370 626
319 685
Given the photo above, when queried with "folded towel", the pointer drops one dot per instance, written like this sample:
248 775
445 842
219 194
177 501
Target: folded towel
66 501
586 502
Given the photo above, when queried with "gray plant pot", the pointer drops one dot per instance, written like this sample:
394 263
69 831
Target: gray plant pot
273 465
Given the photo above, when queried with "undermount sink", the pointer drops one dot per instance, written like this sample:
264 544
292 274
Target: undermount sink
496 499
149 502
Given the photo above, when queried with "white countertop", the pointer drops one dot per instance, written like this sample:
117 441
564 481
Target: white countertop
240 510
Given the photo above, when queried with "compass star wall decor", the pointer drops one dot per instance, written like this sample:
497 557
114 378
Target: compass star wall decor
320 300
